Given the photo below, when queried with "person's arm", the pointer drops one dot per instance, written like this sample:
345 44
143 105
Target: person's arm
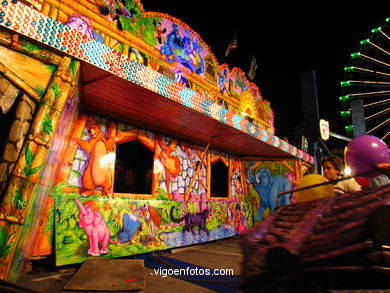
353 186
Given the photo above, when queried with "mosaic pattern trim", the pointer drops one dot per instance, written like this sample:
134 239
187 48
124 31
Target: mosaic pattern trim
31 23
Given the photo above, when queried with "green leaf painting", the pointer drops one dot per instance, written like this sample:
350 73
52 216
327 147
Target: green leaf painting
56 91
40 90
18 200
47 124
5 248
73 67
30 47
29 156
162 194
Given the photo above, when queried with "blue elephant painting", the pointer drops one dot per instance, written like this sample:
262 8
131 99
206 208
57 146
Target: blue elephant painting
268 187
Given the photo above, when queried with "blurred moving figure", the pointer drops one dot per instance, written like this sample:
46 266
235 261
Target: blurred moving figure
382 179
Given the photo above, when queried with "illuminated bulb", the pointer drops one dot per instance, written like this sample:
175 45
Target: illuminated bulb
349 128
347 171
355 55
345 114
349 69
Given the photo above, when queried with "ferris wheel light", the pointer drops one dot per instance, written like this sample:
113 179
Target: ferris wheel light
364 72
345 114
355 55
349 69
349 128
344 98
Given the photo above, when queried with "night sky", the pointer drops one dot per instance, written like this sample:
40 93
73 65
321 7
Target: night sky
287 39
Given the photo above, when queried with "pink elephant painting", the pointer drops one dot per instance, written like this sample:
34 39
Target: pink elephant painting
93 223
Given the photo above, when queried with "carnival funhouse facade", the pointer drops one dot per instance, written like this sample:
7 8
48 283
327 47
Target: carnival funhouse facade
121 133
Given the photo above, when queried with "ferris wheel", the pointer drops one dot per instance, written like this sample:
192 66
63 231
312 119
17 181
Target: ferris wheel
366 85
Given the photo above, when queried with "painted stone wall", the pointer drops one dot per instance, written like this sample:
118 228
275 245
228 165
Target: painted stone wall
15 135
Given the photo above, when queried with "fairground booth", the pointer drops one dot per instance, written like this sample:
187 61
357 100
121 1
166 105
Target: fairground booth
121 134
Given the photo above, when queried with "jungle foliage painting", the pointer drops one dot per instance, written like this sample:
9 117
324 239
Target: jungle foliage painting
103 227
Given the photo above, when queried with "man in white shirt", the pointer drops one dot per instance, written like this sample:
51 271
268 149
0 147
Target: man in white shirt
332 166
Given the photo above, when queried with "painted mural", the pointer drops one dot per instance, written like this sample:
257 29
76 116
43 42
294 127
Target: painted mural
93 217
174 40
266 180
183 47
117 227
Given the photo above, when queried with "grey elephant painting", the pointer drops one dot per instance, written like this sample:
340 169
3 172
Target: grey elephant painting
268 187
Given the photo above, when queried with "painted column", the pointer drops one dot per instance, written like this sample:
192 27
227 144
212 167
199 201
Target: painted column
26 184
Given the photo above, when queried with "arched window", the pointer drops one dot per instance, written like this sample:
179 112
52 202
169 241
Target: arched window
133 168
219 179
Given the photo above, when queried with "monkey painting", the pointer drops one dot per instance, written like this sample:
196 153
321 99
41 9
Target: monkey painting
169 161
